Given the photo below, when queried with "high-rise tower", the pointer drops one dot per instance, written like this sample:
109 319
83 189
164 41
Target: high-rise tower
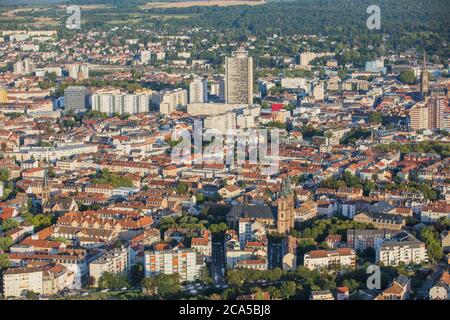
239 78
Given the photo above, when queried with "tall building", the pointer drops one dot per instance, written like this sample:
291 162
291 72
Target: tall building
318 91
187 263
198 91
424 79
121 103
418 117
168 101
285 219
239 78
76 98
429 115
115 261
78 71
436 108
24 67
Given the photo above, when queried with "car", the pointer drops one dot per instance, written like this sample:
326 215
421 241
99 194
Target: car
84 294
193 291
104 290
123 288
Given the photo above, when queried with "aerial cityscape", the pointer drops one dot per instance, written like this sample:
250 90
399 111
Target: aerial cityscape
224 150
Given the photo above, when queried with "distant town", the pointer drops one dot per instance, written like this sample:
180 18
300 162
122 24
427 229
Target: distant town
185 164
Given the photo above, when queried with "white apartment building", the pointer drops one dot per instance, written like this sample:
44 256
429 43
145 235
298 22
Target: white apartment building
221 123
114 261
250 230
78 71
53 153
293 83
187 263
323 259
17 281
198 91
168 101
211 109
47 280
405 249
121 103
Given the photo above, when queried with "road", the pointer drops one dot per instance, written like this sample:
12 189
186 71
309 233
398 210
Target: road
431 280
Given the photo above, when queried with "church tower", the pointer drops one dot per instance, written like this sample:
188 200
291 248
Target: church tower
424 79
285 218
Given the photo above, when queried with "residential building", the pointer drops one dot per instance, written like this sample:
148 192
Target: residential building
239 78
402 248
323 259
187 263
114 261
198 91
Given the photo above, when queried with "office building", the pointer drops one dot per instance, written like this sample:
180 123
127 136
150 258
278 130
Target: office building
76 98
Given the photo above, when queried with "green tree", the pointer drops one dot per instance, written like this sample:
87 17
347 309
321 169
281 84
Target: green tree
205 276
110 280
4 174
235 277
182 187
408 76
288 289
9 224
375 117
431 238
5 243
149 287
136 274
168 285
5 263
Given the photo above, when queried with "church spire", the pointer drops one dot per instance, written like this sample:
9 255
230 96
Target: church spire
424 78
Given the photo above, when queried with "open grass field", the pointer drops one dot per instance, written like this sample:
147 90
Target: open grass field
201 3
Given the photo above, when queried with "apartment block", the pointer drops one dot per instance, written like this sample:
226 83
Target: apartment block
187 263
323 259
114 261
